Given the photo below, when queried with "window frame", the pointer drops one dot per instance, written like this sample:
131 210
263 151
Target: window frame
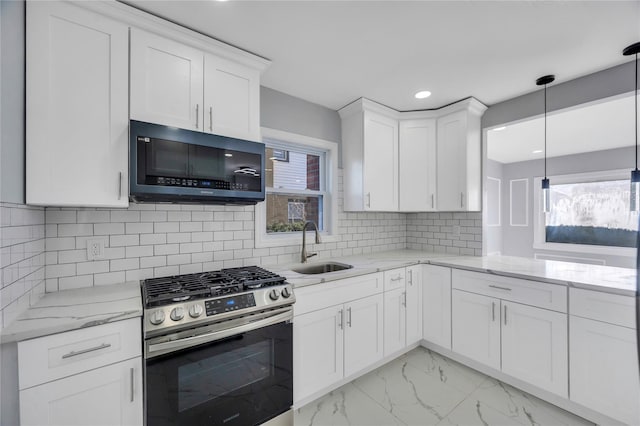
329 191
539 237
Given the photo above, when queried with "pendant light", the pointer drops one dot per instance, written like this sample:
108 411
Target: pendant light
546 195
634 204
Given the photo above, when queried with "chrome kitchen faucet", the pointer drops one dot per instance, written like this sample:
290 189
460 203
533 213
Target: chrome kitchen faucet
304 256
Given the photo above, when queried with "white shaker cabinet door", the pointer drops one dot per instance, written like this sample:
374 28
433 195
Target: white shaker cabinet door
413 300
436 308
604 369
317 350
452 162
106 396
231 99
476 327
395 324
76 100
534 346
417 165
380 163
363 333
166 82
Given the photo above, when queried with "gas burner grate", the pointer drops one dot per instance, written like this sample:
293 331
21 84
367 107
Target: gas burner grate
254 277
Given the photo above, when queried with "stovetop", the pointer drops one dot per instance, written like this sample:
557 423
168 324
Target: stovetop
179 288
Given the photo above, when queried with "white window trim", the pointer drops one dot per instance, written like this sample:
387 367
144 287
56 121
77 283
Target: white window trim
538 224
329 234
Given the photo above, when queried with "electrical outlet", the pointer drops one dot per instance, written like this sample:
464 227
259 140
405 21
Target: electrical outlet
456 230
95 249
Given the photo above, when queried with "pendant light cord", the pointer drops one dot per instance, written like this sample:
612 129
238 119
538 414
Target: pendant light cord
636 111
545 131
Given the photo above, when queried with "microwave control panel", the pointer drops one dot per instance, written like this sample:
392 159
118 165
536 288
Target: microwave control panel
200 183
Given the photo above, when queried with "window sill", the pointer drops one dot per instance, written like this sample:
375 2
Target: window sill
267 241
586 249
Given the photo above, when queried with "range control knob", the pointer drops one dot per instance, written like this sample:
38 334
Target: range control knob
286 292
274 294
195 311
156 317
177 313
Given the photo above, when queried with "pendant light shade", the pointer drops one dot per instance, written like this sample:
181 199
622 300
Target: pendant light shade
546 194
634 202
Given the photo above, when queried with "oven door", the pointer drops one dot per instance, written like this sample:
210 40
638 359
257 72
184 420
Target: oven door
235 373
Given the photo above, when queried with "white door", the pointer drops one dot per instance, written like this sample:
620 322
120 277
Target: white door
452 162
436 305
363 333
231 99
476 327
77 120
166 82
395 324
414 303
417 165
317 350
380 162
604 369
110 395
534 346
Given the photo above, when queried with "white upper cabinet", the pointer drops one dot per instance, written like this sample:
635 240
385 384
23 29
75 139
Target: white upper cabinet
231 99
76 107
411 161
459 160
417 172
178 85
166 81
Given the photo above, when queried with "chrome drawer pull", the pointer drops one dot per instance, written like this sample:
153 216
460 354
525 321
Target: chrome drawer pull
398 278
349 317
84 351
131 375
493 311
499 288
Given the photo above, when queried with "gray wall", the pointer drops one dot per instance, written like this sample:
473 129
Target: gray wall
12 101
518 240
563 94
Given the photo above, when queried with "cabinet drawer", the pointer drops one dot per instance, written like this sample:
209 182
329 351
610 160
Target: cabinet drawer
534 293
60 355
394 279
611 308
319 296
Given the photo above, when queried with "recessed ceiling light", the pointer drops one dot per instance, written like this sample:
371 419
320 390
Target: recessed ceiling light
423 94
498 129
537 151
228 155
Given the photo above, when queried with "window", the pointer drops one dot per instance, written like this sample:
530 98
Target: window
589 213
300 175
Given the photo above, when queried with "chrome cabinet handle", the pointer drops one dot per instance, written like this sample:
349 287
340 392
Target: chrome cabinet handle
349 317
505 314
197 113
340 319
211 119
432 202
132 379
404 299
368 199
410 276
84 351
493 311
499 288
462 199
119 185
398 278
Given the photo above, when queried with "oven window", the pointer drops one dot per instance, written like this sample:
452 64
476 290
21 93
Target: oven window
221 374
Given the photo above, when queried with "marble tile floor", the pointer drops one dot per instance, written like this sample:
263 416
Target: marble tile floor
426 388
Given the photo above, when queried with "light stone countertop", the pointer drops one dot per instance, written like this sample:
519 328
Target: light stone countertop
74 309
606 279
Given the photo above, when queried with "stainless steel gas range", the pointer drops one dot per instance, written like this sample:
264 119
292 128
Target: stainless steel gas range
218 348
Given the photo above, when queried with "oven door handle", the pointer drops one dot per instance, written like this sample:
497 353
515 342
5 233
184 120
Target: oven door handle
218 335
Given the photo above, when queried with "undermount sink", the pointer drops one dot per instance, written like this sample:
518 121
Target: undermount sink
321 268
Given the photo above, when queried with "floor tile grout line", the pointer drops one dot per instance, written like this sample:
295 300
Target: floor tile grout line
376 402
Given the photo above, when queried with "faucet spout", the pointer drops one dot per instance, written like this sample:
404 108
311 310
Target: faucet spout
304 256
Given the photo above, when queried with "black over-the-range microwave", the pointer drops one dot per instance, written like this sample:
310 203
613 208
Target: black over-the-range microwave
182 166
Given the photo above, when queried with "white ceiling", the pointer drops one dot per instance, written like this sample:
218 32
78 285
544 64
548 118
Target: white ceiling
333 52
598 126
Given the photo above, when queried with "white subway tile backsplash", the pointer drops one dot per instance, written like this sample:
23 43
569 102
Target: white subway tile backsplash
124 264
109 278
93 216
125 216
124 240
153 239
108 229
139 228
75 230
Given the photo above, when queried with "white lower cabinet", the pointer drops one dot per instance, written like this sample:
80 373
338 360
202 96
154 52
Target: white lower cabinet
395 321
413 304
436 305
476 327
334 342
603 355
522 341
110 395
